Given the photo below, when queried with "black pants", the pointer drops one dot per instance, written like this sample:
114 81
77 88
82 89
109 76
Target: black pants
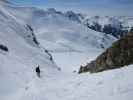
38 74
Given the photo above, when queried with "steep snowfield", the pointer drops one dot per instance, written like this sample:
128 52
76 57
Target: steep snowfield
56 29
17 66
111 85
66 40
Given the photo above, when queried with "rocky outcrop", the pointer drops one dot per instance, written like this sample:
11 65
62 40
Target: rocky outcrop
32 35
3 48
118 55
109 29
115 26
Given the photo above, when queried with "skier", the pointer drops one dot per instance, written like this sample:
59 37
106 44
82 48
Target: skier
38 71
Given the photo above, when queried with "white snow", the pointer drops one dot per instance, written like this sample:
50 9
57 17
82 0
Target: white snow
65 41
111 85
70 61
115 21
54 27
17 66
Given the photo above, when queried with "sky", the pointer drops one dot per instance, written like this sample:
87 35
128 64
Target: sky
92 7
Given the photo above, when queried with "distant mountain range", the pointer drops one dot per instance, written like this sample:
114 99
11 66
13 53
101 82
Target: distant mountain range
116 26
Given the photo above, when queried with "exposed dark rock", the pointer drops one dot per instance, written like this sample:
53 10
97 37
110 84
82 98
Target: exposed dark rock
74 16
131 30
33 35
118 55
95 27
4 48
50 56
117 32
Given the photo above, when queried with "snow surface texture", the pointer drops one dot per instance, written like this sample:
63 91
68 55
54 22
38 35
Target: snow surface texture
18 80
117 26
17 66
56 29
116 21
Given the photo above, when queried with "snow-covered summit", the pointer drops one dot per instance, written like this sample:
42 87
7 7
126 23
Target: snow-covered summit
117 26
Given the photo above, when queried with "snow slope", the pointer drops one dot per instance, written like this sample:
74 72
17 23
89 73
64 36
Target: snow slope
56 29
117 26
115 21
111 85
104 21
18 80
17 66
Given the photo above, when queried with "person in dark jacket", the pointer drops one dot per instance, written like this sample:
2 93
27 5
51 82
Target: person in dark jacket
38 71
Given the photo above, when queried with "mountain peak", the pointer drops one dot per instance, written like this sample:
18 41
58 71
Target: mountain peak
4 1
52 10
